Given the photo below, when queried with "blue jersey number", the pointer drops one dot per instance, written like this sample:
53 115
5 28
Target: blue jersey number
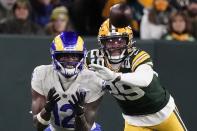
65 123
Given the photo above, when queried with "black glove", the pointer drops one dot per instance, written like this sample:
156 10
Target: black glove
78 104
52 99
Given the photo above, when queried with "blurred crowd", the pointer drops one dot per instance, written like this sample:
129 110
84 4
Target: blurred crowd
152 19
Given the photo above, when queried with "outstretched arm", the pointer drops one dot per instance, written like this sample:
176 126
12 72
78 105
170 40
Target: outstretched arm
141 77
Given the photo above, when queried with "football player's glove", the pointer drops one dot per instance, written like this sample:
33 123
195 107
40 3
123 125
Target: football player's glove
52 99
103 72
78 102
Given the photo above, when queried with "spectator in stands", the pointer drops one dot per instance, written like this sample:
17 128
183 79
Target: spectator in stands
86 16
180 4
66 3
138 7
6 8
41 11
20 23
179 27
57 2
154 22
59 22
192 13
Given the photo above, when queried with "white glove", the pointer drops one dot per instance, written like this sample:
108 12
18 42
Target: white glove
103 72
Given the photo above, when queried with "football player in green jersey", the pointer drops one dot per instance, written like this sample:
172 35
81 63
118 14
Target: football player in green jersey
128 70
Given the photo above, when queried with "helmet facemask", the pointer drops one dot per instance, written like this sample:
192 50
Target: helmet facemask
68 53
120 39
115 48
68 63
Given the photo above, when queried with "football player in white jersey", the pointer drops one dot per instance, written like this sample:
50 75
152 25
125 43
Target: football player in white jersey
65 96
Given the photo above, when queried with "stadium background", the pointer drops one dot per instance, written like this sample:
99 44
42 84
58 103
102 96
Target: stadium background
174 61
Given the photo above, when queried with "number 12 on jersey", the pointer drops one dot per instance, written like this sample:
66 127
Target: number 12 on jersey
66 122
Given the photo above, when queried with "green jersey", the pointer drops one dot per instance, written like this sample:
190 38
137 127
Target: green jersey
133 100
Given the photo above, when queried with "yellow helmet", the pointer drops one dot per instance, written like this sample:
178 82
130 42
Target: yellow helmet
109 32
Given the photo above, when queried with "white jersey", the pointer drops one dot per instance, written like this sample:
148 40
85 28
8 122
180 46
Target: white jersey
46 77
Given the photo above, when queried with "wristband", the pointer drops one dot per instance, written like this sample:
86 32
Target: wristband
41 120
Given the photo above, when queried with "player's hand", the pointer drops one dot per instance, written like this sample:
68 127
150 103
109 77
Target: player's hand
103 72
78 104
52 99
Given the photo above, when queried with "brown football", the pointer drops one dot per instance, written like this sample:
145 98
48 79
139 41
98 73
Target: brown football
120 15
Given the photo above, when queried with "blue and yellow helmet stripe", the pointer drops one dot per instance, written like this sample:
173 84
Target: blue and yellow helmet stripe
68 41
72 43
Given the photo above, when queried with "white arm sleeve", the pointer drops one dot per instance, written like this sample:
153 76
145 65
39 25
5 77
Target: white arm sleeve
142 76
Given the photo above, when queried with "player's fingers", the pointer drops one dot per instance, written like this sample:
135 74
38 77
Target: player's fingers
95 66
53 91
74 99
56 100
71 103
53 88
54 97
50 91
92 69
82 95
78 96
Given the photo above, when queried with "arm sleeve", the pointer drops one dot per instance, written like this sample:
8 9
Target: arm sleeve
142 76
36 81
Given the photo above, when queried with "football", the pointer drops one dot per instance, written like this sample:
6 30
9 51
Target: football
120 15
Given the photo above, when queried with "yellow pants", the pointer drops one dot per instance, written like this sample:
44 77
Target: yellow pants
173 123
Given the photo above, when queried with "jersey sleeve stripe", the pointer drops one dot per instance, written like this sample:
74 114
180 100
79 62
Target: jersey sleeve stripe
140 60
138 55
